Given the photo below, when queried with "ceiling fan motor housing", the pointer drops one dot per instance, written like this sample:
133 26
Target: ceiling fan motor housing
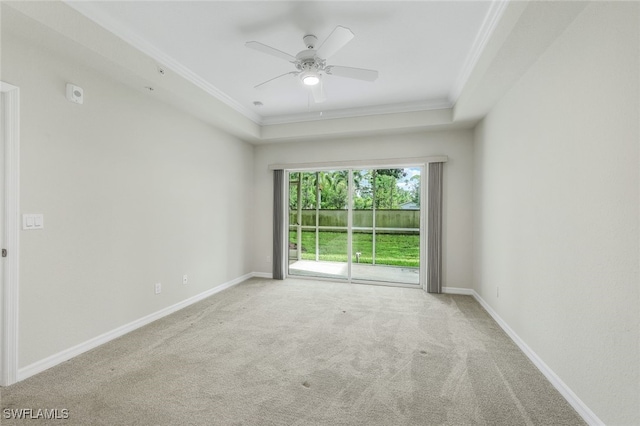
308 61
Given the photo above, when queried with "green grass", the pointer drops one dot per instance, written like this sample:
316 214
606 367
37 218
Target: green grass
391 249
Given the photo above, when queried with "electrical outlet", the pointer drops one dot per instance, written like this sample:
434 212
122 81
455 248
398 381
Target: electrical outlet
498 292
268 259
158 288
185 279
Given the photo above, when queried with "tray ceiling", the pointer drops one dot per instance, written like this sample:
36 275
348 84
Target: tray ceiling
423 50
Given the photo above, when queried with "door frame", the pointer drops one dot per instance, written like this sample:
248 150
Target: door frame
10 279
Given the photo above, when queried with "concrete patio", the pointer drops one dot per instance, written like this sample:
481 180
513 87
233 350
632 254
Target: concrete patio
359 271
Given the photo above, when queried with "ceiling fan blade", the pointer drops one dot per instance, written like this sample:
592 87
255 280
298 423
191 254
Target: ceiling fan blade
274 78
338 38
318 93
349 72
255 45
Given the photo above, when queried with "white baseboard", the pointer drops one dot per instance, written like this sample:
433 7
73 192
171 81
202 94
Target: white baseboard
458 290
587 415
74 351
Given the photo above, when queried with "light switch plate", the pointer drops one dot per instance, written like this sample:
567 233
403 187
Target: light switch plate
32 221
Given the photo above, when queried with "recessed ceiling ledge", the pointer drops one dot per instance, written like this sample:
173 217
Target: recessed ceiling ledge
414 120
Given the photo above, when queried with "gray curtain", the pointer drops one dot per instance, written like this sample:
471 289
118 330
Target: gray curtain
434 228
278 225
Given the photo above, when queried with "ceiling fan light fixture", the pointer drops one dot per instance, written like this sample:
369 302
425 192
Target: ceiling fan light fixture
310 78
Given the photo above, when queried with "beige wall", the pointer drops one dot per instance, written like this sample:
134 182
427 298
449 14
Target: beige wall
556 209
133 192
456 144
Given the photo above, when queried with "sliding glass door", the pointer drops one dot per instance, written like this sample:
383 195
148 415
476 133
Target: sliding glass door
359 225
318 228
386 225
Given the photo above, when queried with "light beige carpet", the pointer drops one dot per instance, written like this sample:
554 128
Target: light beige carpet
301 352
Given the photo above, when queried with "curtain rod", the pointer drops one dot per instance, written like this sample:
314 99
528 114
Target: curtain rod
414 161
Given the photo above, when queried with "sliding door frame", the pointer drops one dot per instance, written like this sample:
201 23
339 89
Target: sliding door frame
422 162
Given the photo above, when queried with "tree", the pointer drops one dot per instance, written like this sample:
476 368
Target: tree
414 184
334 190
334 187
388 195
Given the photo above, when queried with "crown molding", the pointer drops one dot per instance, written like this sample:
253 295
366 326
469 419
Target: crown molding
358 112
489 24
132 38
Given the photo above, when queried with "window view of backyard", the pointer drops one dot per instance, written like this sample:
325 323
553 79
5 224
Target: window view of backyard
385 223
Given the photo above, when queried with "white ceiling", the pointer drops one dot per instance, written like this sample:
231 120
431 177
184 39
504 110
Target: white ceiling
423 50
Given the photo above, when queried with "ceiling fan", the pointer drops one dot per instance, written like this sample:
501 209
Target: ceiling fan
311 64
